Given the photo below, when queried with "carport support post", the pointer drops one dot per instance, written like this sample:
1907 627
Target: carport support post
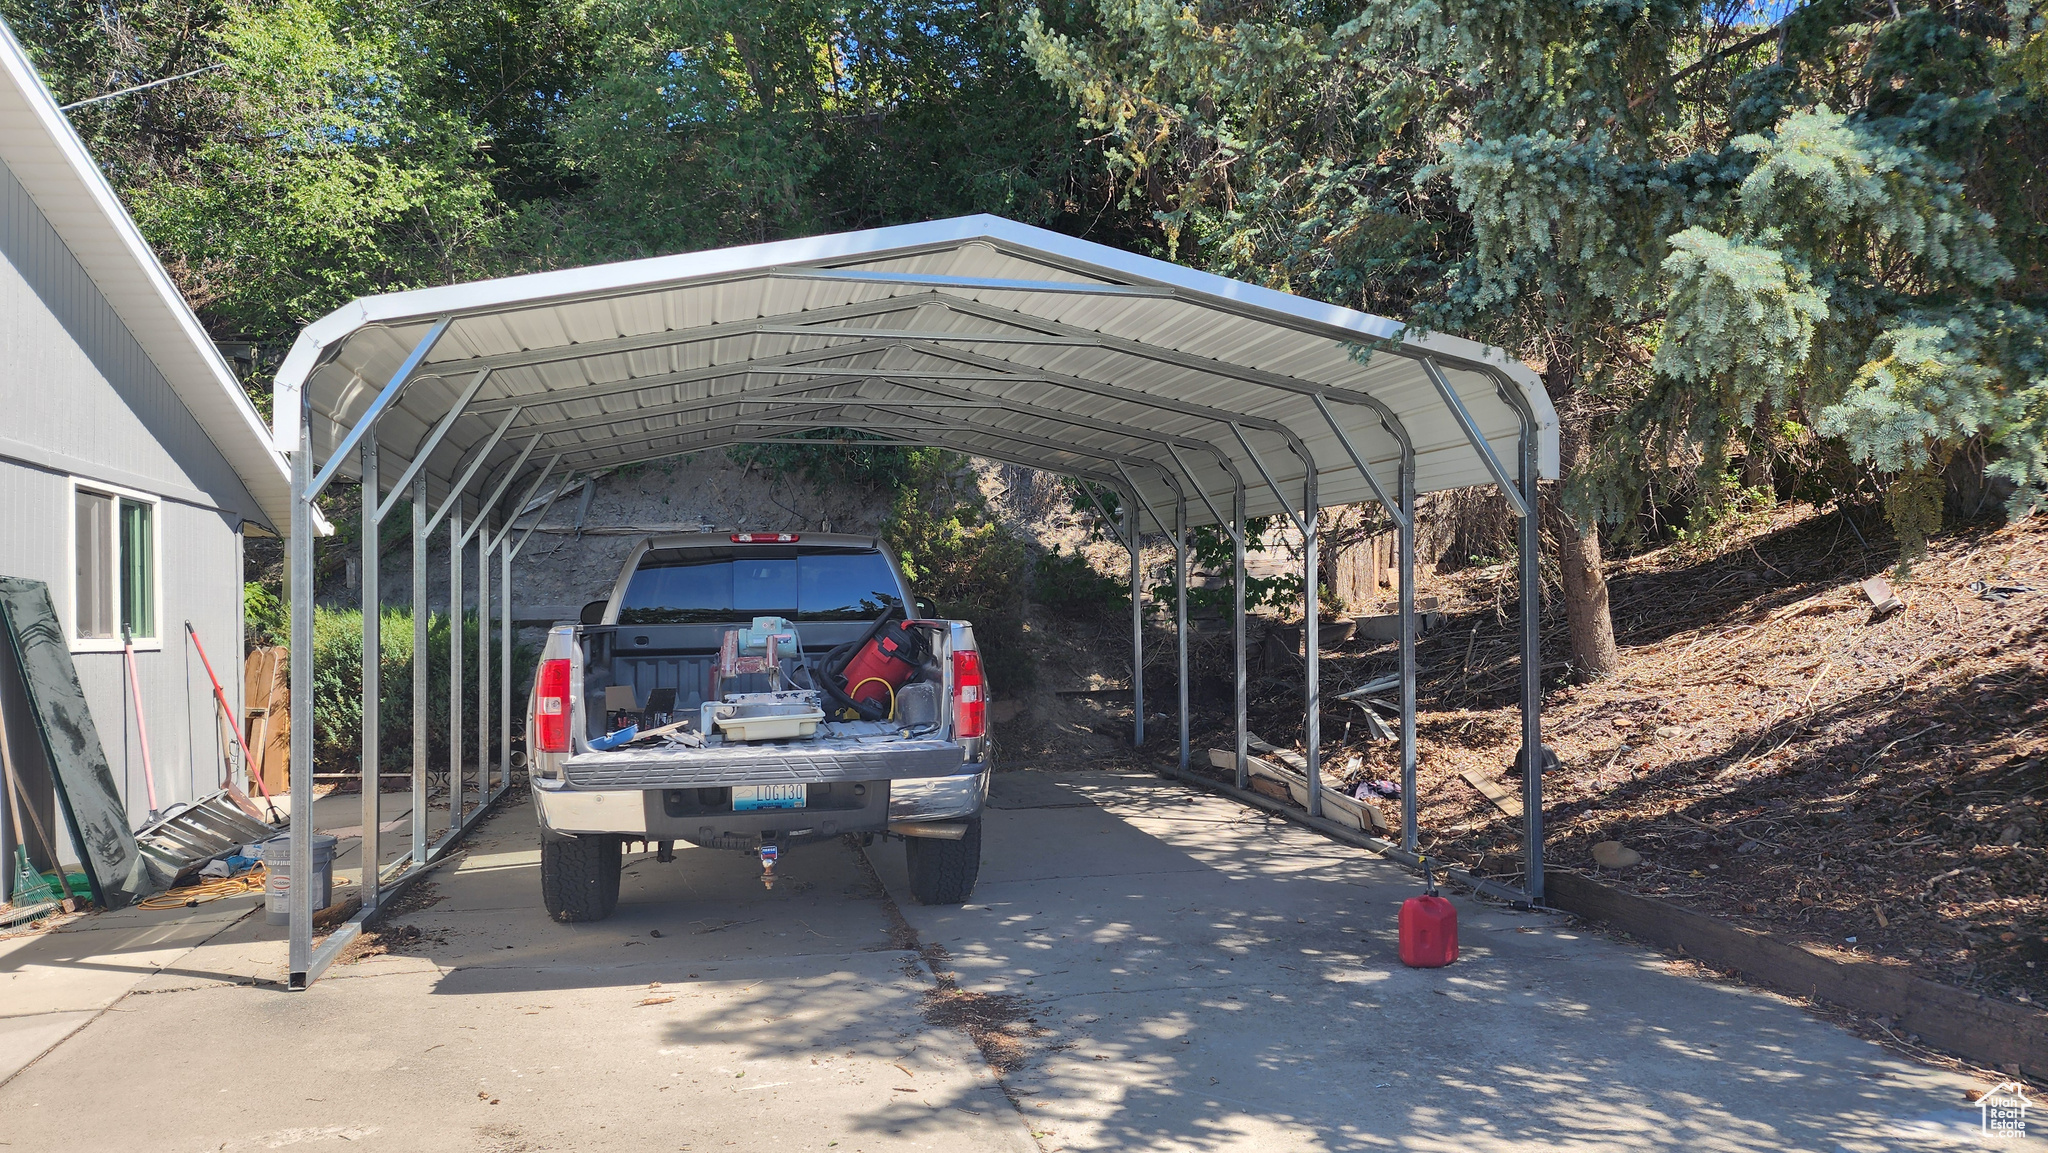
1532 663
456 783
1237 617
300 898
372 847
419 670
483 658
1180 610
505 660
1405 541
1137 623
1310 609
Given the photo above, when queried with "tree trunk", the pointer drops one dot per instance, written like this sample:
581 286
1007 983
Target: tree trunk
1585 584
1756 462
1585 600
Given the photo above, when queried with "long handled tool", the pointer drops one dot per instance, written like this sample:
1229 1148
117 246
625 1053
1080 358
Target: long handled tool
220 699
141 726
14 808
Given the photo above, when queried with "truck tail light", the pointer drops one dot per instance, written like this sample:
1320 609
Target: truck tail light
970 695
766 537
551 708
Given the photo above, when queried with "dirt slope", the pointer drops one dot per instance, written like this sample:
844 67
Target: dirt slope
1778 752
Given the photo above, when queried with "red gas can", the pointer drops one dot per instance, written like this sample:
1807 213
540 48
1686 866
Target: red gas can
883 665
1429 928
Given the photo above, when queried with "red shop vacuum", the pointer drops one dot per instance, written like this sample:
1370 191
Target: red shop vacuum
1429 927
862 676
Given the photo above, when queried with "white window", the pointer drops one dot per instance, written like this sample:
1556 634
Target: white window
114 568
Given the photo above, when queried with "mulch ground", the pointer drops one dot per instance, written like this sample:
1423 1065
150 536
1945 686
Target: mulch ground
1780 754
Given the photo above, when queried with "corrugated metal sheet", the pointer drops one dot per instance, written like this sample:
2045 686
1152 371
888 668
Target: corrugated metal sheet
978 333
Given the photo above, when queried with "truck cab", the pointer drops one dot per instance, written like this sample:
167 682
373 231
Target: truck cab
756 692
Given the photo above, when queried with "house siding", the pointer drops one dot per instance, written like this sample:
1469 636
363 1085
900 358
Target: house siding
80 399
80 392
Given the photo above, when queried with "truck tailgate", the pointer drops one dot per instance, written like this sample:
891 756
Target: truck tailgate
812 762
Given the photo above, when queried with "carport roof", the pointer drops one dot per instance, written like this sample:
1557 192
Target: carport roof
975 333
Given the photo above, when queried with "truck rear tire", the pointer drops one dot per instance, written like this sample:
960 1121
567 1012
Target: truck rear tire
944 872
579 876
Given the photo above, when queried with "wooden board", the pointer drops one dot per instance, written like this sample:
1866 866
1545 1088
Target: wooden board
1359 814
35 640
1966 1024
1273 789
267 724
1503 800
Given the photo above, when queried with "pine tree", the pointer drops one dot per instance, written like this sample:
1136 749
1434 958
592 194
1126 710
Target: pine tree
1706 229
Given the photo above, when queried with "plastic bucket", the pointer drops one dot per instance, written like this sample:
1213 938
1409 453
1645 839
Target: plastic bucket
277 885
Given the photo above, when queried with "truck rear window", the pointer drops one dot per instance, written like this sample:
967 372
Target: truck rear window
719 583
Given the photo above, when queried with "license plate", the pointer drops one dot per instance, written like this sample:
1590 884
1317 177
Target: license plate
748 798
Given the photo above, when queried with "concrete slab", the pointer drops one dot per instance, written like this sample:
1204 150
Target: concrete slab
23 1039
754 1020
1249 997
779 1057
706 905
95 961
1205 978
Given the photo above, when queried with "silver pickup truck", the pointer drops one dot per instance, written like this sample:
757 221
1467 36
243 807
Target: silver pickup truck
755 691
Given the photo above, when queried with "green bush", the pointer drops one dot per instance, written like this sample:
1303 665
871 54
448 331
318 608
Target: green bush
941 528
1210 550
338 688
882 466
1067 582
963 562
265 621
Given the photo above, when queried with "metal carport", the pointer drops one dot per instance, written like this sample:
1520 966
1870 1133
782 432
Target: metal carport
1199 399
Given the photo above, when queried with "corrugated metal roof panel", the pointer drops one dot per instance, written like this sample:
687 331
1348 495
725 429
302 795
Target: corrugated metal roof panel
1091 356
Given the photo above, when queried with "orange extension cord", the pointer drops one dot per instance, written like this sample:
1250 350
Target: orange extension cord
205 891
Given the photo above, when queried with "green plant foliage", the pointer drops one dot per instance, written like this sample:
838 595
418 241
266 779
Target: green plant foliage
1210 551
727 122
1912 502
959 558
1069 584
338 687
1691 219
266 621
359 146
1722 516
1078 502
883 467
310 168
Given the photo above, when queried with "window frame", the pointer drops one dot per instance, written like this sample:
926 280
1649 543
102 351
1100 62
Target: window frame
118 494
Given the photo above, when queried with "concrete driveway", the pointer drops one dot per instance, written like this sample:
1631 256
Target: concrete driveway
1143 967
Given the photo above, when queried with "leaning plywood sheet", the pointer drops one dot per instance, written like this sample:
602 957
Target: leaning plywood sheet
119 873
